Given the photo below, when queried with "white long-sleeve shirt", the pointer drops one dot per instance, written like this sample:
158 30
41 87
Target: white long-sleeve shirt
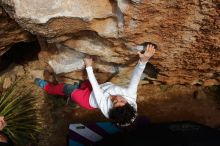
100 96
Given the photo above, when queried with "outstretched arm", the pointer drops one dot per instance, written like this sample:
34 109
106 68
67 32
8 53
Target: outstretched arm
136 76
95 86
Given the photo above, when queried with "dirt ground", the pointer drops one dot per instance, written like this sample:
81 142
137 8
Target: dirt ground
160 103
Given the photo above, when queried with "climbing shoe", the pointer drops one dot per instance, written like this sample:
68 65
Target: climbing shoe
41 83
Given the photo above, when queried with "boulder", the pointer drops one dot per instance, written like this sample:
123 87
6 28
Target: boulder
187 33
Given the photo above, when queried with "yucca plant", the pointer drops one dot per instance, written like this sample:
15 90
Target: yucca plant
19 111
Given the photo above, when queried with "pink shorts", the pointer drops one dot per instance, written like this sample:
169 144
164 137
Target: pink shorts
79 96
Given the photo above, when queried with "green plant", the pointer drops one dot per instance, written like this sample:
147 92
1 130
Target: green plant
19 110
164 87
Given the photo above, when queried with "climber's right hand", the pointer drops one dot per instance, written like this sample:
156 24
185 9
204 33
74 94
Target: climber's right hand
148 53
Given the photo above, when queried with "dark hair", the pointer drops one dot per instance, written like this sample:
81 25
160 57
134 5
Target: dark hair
123 115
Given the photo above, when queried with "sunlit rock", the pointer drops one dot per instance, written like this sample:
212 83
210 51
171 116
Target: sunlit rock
186 33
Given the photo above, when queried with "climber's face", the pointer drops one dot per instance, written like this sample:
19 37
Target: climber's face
118 101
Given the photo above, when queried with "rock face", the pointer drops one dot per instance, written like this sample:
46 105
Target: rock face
186 32
10 32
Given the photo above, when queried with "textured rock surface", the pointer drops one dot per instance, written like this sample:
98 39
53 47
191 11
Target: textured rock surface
10 32
186 32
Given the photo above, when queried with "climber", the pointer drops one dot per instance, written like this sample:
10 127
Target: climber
4 139
115 102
